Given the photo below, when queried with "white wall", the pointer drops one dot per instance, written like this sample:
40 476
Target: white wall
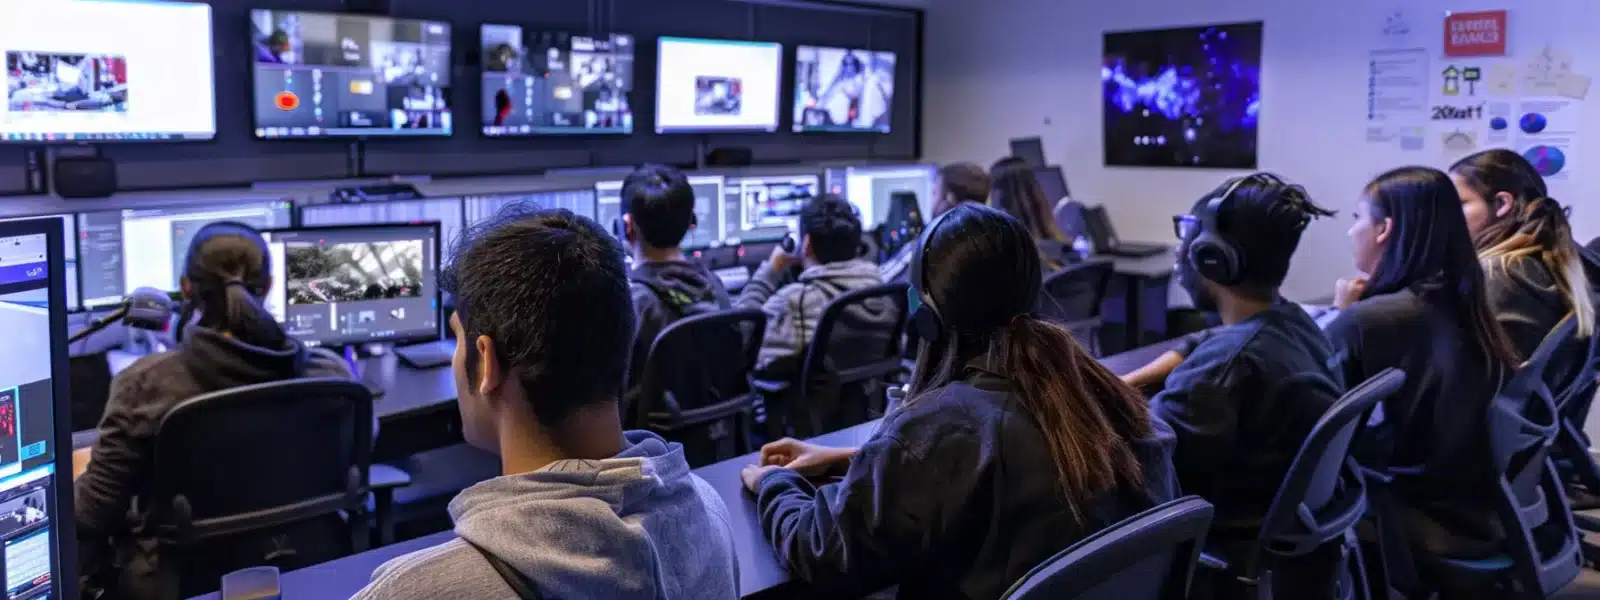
998 69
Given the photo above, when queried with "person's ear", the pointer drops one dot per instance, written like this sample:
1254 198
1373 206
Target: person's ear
628 232
805 247
1503 201
490 375
1385 227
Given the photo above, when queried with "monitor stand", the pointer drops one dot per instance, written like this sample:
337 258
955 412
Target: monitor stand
428 355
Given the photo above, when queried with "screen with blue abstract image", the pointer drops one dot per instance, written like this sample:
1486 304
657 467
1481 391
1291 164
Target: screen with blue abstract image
1186 97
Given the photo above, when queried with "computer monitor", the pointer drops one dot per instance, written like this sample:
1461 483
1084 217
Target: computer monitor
1030 150
107 70
69 237
579 201
840 89
137 247
717 85
551 82
36 526
1052 183
709 225
356 284
764 208
347 75
903 225
870 188
447 212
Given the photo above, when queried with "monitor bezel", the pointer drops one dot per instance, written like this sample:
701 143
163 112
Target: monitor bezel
794 119
211 20
633 91
449 96
438 292
65 560
777 114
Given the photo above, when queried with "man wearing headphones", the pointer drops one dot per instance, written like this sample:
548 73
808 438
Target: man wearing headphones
829 253
1246 396
657 212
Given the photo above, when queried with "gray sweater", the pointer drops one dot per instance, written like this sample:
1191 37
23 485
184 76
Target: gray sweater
793 310
637 526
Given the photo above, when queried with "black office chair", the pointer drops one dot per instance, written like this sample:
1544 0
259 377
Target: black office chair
1321 498
695 388
1072 297
848 360
1149 556
1540 554
1071 218
266 474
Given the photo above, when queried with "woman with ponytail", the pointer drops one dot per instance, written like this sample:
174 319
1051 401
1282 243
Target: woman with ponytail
1013 442
1535 273
226 339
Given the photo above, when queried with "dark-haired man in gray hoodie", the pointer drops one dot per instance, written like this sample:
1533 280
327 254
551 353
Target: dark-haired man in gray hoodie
544 322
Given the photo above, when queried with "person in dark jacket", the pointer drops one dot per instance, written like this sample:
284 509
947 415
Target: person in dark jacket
1244 400
234 342
1013 443
657 212
1535 270
1422 308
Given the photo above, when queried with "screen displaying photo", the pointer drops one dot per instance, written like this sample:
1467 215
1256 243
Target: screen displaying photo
553 82
717 85
1186 97
76 71
338 75
321 273
837 89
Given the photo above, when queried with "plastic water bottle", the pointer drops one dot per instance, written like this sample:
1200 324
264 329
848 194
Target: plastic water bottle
1082 247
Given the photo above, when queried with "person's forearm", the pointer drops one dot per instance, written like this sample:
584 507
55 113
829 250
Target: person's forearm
1155 373
762 284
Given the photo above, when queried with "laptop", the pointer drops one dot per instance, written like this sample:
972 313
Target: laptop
1030 150
1105 237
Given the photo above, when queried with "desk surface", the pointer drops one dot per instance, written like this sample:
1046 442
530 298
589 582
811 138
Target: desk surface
758 564
1156 266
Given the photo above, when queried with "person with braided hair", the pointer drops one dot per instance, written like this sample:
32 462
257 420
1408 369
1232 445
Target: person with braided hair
829 256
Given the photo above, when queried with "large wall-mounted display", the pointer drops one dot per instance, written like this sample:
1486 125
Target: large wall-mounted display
337 75
96 71
1187 97
717 85
838 89
555 82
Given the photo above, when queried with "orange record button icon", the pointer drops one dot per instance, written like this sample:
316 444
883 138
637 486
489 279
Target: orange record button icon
286 101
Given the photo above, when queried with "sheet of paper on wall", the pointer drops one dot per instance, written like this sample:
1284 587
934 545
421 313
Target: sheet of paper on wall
1501 121
1456 143
1409 138
1547 135
1542 74
1397 96
1572 85
1399 29
1500 79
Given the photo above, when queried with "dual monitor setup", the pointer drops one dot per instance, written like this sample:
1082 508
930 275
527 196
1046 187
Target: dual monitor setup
330 75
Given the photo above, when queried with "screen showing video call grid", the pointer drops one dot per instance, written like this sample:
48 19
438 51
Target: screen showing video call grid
869 188
445 211
842 90
343 75
709 229
76 71
580 202
717 85
765 208
31 557
146 247
69 239
339 286
551 82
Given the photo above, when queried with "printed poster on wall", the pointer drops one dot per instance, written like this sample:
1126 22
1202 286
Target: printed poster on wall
1480 33
1398 80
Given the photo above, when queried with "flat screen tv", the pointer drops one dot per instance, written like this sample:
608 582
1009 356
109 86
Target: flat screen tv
107 71
705 86
838 89
320 75
548 82
1187 97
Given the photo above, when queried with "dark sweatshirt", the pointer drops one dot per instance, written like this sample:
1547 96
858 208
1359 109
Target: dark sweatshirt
1432 433
664 292
1528 304
1242 403
953 497
205 361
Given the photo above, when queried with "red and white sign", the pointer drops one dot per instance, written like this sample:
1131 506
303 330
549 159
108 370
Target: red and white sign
1481 33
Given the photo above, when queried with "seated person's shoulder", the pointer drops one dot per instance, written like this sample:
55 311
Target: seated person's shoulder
322 362
945 414
449 571
1381 311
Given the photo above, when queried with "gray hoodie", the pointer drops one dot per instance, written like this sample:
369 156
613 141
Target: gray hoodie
793 309
638 526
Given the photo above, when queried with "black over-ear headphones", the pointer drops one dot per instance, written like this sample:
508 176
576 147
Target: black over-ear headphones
925 320
1214 256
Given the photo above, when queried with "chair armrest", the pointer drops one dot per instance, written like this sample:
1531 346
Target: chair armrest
1212 561
385 477
384 480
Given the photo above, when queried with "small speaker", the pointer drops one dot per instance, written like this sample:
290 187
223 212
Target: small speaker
729 157
84 177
